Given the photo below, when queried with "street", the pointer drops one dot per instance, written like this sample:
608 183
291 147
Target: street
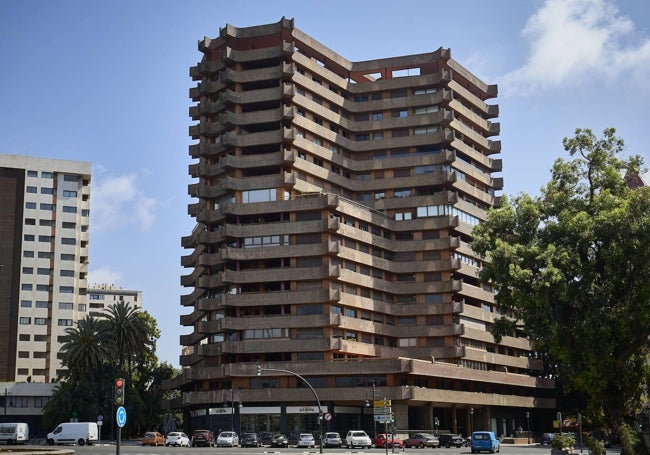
132 449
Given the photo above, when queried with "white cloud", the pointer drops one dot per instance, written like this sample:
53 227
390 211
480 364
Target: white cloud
103 275
117 202
573 41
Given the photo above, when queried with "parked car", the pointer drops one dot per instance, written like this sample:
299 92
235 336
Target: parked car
227 439
422 440
332 439
266 437
306 440
447 440
382 439
484 441
357 438
153 438
547 438
177 439
202 438
279 440
250 440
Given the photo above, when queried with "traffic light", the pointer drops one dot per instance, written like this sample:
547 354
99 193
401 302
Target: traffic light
259 370
119 391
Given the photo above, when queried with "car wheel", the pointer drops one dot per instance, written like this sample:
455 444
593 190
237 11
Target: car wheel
81 441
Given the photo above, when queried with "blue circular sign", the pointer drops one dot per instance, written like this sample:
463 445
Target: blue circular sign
121 416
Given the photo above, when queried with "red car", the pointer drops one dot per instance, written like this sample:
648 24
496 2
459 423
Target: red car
381 440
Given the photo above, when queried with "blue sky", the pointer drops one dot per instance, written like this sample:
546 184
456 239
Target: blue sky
108 82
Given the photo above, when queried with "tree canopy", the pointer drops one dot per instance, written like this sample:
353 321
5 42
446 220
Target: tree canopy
118 344
572 266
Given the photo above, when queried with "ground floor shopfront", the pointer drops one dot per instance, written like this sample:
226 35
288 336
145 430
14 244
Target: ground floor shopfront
406 419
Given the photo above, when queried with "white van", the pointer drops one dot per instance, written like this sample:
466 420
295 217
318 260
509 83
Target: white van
74 433
14 433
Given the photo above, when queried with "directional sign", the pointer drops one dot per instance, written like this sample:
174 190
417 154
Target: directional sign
383 418
121 416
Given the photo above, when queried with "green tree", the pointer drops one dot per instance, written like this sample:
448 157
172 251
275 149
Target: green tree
86 349
129 334
573 267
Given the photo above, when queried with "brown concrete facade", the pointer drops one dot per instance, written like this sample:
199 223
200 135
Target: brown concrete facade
335 202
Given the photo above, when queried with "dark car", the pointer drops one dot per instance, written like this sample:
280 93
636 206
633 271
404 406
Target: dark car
266 437
448 440
250 440
279 440
202 438
422 440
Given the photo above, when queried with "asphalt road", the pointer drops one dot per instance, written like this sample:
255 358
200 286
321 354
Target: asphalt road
127 448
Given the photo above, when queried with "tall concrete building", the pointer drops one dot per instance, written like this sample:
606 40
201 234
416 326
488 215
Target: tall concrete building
44 213
334 206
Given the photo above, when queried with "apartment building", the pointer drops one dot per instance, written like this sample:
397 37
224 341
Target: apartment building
102 296
334 205
44 213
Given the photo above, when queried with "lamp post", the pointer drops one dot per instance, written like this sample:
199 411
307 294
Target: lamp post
7 395
320 412
374 392
471 421
528 425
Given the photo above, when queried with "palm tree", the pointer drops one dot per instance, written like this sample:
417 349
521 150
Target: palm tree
86 349
129 334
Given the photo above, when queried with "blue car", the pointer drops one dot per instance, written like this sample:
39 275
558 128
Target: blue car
485 441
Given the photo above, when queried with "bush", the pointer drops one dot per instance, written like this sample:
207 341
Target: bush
595 446
562 441
628 439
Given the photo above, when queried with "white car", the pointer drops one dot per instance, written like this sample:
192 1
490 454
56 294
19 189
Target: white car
177 439
306 440
357 438
227 439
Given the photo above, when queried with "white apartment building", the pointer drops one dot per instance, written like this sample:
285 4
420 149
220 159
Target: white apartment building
102 296
44 229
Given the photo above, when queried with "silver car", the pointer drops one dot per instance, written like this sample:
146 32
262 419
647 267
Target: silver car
227 439
332 439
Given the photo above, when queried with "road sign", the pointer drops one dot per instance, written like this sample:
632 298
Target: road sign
383 418
121 416
328 416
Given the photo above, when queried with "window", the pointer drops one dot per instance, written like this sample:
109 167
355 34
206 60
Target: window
426 110
400 113
43 287
40 321
423 91
65 322
68 241
360 98
47 223
264 195
26 303
31 189
45 190
32 174
71 178
26 287
30 222
69 209
67 257
85 212
28 270
66 289
25 321
43 271
425 130
42 304
377 115
51 207
407 342
44 238
30 205
361 137
378 135
28 254
67 273
29 237
66 306
68 225
47 175
402 193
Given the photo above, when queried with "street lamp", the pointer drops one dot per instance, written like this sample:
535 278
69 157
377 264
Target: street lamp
374 392
471 421
7 395
528 425
320 412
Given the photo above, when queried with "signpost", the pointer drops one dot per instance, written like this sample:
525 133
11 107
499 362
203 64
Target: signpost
121 420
